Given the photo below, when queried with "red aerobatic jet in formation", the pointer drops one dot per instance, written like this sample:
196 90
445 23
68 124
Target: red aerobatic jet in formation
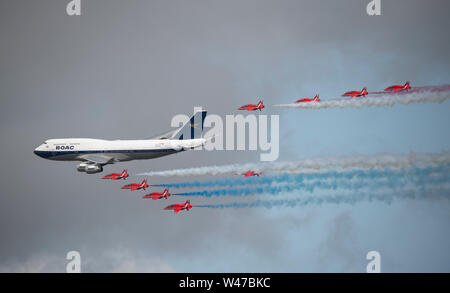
178 207
251 107
157 195
315 99
252 173
117 176
136 186
355 94
398 88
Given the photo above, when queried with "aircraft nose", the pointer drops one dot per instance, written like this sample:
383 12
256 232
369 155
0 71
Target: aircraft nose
38 153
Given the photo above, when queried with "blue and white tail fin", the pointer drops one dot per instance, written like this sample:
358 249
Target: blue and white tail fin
193 128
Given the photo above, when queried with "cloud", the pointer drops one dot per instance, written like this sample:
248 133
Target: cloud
338 252
43 263
117 260
122 260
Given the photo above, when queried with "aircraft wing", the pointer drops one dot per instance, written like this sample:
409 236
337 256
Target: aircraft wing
165 135
98 159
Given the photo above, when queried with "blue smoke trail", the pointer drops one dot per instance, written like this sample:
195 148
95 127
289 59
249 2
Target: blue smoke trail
418 177
295 178
439 193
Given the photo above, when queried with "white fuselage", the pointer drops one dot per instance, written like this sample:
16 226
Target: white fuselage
81 149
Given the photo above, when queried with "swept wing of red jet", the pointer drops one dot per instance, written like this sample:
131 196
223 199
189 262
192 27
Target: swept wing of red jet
117 176
315 99
157 195
354 94
252 173
251 107
136 186
398 87
178 207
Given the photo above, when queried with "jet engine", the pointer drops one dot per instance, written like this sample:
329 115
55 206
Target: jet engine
91 169
82 167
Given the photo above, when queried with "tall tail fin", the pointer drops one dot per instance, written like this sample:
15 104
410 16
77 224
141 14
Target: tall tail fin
193 128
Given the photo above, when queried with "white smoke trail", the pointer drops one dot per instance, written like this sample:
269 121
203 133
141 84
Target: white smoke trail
436 94
317 164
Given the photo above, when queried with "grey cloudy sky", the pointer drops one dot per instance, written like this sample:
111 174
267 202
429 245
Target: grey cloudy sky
123 68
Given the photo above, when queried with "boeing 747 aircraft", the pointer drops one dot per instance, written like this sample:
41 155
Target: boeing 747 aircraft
95 153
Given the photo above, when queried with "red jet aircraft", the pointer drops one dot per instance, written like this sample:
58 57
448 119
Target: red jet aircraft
252 173
398 88
315 99
157 195
136 186
117 176
354 94
251 107
178 207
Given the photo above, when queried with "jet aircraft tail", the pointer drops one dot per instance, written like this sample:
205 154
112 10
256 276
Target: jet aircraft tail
193 128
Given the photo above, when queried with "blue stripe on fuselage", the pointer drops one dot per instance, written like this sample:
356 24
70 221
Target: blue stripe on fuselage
52 154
